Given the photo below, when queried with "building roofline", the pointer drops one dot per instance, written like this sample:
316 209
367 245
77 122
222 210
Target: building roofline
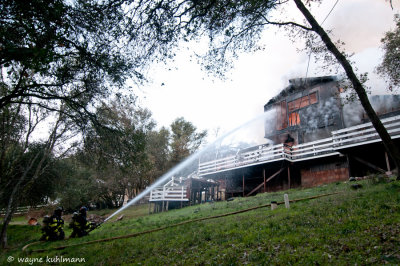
299 84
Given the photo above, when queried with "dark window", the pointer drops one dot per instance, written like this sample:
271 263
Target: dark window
313 98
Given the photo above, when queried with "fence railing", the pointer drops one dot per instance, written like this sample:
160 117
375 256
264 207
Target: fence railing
348 137
22 210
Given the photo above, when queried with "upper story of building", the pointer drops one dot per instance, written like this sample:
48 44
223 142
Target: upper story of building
309 109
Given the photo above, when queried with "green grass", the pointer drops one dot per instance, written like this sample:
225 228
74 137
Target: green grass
355 227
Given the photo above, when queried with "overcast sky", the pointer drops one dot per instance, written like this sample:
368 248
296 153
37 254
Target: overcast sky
186 91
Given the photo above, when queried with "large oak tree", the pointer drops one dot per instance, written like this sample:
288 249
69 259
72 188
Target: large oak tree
60 58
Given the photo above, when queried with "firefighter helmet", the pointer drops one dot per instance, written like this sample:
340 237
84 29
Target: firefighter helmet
83 210
46 219
58 211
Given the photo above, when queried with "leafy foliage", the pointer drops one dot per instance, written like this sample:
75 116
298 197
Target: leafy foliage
116 152
390 66
72 52
75 186
185 140
128 153
34 191
158 152
231 26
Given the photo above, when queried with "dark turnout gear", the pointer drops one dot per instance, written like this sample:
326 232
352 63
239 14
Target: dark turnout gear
47 233
80 226
83 211
57 223
52 228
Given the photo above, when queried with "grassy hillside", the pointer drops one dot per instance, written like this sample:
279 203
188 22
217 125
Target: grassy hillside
354 227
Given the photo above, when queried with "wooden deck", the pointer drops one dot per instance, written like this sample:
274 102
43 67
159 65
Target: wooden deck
345 138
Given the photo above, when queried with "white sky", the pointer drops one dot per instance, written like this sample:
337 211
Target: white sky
188 92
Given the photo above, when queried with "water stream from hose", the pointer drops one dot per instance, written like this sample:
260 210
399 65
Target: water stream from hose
189 160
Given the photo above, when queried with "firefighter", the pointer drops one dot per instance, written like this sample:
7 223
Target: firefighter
74 224
47 233
57 223
52 228
80 226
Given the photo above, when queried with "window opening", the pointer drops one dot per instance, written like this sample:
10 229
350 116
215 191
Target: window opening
294 119
302 102
281 116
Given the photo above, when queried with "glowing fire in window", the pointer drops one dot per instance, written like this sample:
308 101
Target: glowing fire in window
294 119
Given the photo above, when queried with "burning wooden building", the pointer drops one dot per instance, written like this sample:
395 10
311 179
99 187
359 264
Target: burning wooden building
305 111
316 139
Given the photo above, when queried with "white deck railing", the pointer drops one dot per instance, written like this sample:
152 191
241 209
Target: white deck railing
165 193
348 137
319 148
365 133
266 154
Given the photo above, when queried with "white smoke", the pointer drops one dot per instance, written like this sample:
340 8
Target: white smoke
353 112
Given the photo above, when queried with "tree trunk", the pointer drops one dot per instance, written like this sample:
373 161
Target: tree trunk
6 221
390 147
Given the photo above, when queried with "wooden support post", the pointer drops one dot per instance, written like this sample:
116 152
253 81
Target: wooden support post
167 206
215 196
286 198
348 165
387 164
265 183
243 185
288 174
